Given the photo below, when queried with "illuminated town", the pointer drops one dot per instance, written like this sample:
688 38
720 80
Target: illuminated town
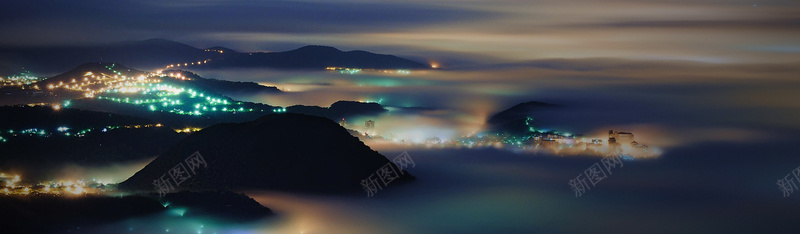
620 144
346 70
69 132
23 79
12 186
157 91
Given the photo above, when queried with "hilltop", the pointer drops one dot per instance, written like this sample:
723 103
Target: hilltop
513 120
284 152
317 57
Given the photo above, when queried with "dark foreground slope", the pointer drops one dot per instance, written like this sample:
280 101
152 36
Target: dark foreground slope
287 152
50 213
47 213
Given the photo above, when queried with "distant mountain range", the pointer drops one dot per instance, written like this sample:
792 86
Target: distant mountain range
159 53
315 57
283 152
223 87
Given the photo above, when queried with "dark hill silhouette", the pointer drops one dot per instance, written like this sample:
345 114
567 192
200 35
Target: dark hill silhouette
317 57
512 120
21 117
180 121
209 86
96 68
221 204
339 109
49 213
286 152
39 155
25 151
215 86
223 49
223 87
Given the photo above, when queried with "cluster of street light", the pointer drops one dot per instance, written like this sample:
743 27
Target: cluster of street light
347 70
65 131
157 91
12 185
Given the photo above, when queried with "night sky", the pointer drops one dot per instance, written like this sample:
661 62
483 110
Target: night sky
713 31
711 86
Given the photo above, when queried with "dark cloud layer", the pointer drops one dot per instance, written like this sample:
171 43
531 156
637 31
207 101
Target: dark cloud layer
761 24
502 31
46 21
